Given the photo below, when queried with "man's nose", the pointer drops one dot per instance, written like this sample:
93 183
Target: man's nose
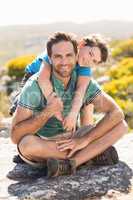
64 61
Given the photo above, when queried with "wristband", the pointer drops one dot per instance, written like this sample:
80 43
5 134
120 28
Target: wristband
84 71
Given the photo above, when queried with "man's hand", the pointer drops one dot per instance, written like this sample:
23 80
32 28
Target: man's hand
55 105
73 145
69 122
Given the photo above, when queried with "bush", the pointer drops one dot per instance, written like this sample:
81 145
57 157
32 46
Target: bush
123 68
121 87
4 104
123 49
17 66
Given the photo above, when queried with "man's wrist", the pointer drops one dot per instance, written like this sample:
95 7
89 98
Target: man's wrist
88 138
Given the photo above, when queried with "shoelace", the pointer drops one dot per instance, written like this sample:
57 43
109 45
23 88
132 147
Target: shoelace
64 167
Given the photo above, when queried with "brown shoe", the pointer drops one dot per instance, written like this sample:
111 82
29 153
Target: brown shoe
58 167
17 159
108 157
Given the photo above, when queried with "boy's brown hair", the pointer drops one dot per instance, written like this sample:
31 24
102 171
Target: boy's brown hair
95 40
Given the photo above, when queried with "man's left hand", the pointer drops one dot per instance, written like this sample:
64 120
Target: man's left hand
73 145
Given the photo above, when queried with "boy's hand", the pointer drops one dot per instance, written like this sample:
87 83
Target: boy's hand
55 105
69 122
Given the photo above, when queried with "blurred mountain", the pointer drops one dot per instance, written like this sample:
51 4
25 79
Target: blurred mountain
31 39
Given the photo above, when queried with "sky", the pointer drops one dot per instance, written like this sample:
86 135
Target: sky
14 12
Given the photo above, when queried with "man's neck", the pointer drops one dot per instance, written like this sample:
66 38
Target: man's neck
64 80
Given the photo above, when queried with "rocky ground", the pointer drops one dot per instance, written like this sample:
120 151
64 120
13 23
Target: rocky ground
114 183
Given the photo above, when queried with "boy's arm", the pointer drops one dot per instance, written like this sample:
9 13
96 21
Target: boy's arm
70 121
44 79
45 84
77 102
84 76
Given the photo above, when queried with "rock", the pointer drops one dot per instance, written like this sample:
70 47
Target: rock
88 182
5 124
5 79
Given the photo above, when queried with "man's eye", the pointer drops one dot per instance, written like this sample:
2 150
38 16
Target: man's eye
69 55
57 56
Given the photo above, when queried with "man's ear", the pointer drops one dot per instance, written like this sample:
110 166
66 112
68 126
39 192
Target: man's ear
50 60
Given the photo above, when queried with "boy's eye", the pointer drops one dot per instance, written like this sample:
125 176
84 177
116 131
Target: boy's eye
91 54
95 62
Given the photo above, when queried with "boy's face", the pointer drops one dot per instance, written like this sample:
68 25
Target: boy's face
95 55
63 58
89 56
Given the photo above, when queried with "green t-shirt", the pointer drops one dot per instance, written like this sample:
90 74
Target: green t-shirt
31 97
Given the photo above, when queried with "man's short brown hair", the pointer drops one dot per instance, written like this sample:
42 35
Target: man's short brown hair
95 40
59 37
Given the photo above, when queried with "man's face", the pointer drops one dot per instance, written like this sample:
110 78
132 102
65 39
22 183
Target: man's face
63 58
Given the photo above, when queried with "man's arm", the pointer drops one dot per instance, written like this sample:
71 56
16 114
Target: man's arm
87 115
24 122
113 115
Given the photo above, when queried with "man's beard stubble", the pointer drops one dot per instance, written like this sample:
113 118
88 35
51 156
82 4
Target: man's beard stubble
63 73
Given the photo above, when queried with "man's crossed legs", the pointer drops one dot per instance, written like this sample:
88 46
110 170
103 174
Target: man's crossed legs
40 151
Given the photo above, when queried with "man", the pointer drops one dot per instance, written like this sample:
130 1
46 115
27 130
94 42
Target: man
92 50
37 132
